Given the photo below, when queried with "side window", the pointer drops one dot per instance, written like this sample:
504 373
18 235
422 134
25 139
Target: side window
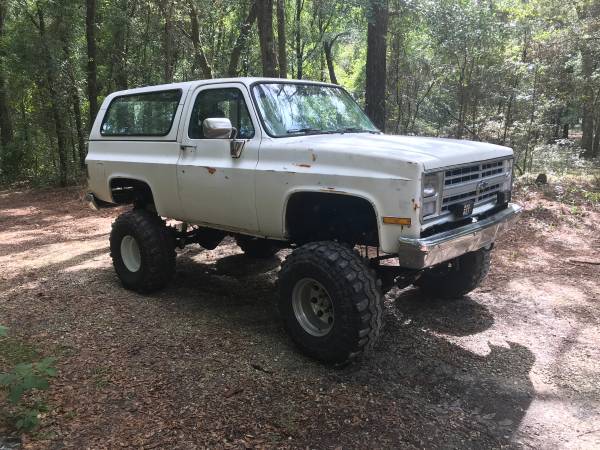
225 102
148 114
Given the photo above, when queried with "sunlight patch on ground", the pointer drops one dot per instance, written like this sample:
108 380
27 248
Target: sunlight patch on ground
550 415
535 258
552 292
20 212
46 256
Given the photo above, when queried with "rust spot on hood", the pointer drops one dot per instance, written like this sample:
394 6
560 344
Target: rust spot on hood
415 204
211 170
303 165
313 156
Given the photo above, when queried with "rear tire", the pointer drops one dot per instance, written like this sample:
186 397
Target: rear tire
257 248
143 251
456 278
330 302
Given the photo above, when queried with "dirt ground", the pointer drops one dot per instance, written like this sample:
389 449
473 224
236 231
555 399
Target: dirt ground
206 363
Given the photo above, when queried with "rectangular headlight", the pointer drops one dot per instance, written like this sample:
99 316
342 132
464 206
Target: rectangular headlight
507 184
431 185
431 191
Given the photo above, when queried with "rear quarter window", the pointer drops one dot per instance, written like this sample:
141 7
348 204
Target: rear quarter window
147 114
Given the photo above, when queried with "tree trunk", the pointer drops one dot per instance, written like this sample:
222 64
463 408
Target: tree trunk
6 126
375 89
281 39
75 101
199 55
267 39
587 103
119 54
241 41
565 131
92 69
54 99
588 13
298 39
168 43
596 144
327 49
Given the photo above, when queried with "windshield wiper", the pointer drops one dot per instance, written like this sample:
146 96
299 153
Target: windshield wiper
353 130
303 130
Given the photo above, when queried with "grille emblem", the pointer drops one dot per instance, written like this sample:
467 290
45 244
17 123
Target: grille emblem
481 186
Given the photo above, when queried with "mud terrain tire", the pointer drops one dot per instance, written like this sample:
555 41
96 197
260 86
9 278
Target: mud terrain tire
456 278
143 251
355 300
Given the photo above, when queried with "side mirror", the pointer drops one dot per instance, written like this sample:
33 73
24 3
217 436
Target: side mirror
218 128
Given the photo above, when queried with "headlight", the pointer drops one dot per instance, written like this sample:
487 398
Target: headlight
431 189
507 184
430 185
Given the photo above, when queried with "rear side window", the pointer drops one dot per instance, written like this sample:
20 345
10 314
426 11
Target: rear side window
148 114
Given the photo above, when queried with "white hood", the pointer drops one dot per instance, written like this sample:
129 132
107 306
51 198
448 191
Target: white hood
433 153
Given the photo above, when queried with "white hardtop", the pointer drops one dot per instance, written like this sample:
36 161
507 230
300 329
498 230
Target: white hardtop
186 85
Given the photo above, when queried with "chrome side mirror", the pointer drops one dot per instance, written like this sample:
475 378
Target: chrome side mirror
218 128
221 128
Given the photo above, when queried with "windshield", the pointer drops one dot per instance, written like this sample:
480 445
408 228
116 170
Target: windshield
290 109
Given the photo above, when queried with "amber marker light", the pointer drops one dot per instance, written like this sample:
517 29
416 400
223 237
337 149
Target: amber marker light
397 220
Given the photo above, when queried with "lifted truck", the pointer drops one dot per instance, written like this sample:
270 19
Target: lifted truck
280 163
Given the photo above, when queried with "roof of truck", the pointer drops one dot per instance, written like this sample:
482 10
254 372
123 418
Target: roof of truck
188 84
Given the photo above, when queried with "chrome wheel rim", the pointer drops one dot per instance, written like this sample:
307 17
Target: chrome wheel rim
313 307
130 253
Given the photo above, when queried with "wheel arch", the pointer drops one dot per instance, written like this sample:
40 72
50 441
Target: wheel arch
126 189
366 209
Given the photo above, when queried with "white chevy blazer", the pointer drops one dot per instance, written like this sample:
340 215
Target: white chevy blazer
281 163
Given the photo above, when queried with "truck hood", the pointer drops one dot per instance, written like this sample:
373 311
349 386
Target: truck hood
432 153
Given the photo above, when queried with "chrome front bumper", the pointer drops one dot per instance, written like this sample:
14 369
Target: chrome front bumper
426 252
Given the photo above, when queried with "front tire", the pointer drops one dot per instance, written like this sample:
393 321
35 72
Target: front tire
330 302
456 278
143 251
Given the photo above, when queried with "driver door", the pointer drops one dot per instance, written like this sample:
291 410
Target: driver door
214 187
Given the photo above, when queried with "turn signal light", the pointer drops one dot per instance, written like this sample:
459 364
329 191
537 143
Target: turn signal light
397 220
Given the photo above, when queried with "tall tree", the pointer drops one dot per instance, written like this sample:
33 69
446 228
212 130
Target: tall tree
73 93
281 39
328 44
6 126
298 44
120 18
92 65
589 14
199 55
167 10
266 37
242 40
375 84
54 98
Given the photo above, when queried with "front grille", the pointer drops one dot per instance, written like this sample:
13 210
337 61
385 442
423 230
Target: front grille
477 182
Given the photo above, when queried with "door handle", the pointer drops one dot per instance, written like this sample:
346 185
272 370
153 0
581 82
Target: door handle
185 147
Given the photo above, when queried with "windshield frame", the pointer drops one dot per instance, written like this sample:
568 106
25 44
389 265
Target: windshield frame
308 83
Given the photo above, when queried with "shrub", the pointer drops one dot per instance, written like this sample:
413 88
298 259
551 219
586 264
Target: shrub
22 379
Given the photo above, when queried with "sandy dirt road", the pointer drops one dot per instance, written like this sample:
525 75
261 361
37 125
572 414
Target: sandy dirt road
206 362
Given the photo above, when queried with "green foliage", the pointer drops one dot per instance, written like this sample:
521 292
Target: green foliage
24 378
506 71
